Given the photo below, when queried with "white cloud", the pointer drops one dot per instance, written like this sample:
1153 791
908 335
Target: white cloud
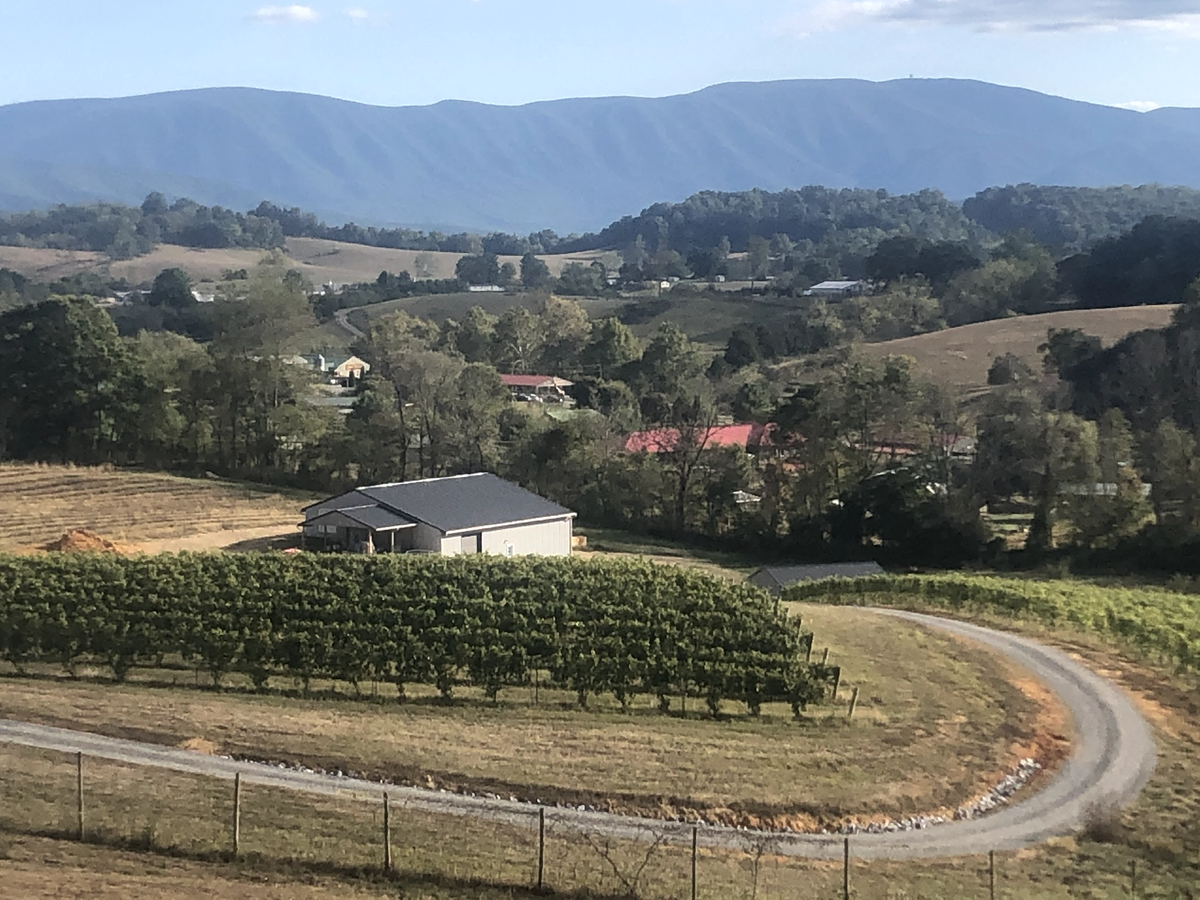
285 14
1140 105
1005 15
358 15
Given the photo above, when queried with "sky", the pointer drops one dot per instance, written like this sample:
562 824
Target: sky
1134 53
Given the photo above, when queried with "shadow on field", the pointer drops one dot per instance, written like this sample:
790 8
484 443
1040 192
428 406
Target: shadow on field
148 842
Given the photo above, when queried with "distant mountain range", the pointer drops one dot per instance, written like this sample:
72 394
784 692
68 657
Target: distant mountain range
576 165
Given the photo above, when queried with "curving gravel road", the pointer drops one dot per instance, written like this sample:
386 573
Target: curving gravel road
1113 758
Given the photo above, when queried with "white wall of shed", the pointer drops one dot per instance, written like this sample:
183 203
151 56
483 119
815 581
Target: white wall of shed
541 539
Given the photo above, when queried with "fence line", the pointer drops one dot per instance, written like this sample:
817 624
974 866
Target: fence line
661 863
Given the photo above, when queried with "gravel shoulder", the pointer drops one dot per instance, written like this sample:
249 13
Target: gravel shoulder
1113 757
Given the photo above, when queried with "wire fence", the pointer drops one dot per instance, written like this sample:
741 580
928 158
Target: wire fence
536 851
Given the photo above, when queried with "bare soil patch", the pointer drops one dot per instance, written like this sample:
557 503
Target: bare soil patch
80 540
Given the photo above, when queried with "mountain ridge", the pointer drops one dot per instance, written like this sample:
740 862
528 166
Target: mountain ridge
575 164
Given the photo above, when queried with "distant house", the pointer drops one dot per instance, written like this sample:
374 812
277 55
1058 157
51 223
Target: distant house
485 289
776 578
836 290
350 367
341 366
536 385
200 297
664 440
463 514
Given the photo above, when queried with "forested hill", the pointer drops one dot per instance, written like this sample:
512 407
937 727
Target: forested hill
575 165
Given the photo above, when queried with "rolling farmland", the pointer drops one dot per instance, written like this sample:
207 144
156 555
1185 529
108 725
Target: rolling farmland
961 356
321 262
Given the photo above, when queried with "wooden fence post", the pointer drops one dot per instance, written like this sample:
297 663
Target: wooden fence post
695 833
1133 878
992 875
853 704
79 793
541 847
825 656
237 813
846 869
387 834
837 681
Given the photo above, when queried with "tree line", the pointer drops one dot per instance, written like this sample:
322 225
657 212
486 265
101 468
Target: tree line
859 459
831 231
922 286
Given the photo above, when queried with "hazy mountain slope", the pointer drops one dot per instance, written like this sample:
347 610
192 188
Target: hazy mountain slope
576 164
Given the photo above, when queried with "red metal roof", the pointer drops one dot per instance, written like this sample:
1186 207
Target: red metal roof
533 381
664 440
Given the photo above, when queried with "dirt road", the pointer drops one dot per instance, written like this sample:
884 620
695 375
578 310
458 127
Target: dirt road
1113 757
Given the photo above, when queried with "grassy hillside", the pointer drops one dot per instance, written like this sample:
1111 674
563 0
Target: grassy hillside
321 261
961 356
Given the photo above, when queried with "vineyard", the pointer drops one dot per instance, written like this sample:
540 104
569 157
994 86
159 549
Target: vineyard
597 627
1154 621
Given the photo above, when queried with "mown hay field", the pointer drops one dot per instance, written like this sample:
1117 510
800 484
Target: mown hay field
138 510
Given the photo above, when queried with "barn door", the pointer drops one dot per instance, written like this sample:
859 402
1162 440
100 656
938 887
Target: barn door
472 543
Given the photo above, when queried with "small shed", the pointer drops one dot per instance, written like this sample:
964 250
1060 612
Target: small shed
776 578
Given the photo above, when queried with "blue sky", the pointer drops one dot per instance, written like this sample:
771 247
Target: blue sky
401 52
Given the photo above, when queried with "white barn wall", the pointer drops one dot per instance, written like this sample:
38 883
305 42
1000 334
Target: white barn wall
541 539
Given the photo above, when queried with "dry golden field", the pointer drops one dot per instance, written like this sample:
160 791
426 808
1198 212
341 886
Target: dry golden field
961 356
138 510
320 260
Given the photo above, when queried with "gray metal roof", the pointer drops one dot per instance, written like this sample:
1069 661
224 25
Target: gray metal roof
458 503
373 517
775 577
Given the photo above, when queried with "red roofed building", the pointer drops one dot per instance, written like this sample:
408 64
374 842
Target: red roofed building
535 385
664 440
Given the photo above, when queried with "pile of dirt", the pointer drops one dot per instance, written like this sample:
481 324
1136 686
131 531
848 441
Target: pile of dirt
80 540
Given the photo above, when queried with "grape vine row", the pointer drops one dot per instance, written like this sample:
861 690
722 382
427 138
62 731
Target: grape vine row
1152 620
593 627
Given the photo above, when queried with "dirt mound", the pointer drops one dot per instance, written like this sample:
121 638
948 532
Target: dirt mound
200 745
80 540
